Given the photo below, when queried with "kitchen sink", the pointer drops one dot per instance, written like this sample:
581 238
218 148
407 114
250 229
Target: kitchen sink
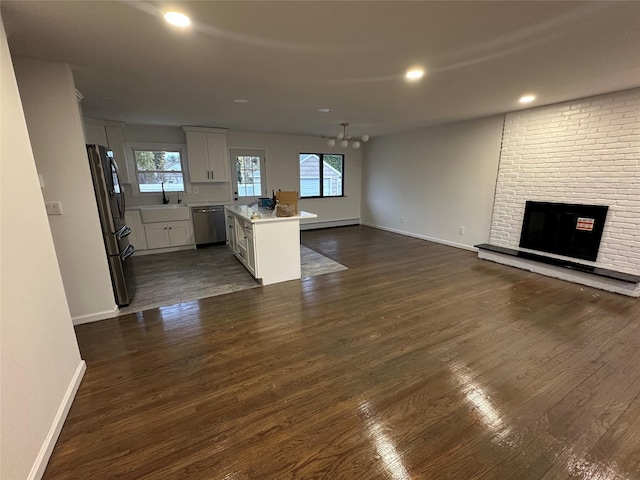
163 213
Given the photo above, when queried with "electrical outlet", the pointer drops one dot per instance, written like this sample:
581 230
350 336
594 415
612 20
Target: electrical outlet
196 190
53 208
401 219
460 230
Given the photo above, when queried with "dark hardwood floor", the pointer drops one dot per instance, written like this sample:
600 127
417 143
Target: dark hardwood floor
419 362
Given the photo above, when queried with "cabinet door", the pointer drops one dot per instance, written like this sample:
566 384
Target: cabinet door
251 256
218 157
241 238
180 233
198 157
157 235
231 232
115 140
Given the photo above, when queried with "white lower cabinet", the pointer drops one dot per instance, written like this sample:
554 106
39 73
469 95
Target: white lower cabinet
269 247
242 243
251 255
247 245
231 231
169 234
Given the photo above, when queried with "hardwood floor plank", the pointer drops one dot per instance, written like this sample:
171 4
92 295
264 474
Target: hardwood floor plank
419 361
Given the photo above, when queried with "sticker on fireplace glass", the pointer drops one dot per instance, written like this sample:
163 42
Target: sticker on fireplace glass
585 224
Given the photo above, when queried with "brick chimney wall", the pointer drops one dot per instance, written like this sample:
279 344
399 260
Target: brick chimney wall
583 151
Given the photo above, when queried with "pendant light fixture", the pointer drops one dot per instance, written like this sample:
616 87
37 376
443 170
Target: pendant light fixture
345 139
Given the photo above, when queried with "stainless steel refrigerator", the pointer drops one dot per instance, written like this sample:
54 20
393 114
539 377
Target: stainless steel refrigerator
111 208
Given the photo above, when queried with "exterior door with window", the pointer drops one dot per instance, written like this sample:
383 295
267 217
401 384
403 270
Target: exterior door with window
249 175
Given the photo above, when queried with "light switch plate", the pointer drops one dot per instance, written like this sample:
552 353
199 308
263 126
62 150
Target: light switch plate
53 208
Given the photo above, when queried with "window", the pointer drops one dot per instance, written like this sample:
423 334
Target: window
321 175
157 167
249 172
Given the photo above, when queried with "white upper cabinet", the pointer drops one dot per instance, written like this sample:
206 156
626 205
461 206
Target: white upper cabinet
110 135
207 154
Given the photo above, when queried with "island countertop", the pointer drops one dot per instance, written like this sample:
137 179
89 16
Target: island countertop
266 215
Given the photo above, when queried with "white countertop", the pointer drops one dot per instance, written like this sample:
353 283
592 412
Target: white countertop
207 204
267 215
212 203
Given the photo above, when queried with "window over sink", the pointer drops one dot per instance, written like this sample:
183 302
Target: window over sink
158 167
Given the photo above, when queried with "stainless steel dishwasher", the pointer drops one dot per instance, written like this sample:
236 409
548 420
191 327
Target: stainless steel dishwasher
208 225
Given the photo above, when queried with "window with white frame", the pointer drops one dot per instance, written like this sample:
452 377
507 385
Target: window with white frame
158 169
321 175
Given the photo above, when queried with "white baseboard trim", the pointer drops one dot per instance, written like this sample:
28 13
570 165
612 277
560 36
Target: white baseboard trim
574 276
95 317
331 223
422 237
42 459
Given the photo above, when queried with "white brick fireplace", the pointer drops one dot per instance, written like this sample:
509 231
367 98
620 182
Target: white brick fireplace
584 151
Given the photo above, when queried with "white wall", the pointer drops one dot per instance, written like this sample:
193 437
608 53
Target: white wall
158 134
584 151
40 364
282 172
281 169
429 182
50 105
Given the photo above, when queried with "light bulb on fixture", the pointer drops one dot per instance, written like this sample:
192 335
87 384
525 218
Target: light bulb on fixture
345 139
178 19
414 74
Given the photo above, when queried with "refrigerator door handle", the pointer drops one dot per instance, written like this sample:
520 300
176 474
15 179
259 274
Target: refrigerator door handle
120 188
124 199
127 252
123 232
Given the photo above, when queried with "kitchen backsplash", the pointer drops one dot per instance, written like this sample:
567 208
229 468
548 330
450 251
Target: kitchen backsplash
219 193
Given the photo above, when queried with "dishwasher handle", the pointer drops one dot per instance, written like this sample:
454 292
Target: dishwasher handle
206 210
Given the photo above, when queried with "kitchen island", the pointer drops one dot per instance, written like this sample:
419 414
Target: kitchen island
268 246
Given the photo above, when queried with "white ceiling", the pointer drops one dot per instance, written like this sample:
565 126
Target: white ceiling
288 59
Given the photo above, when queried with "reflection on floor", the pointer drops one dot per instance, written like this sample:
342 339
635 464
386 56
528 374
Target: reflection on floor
313 263
175 277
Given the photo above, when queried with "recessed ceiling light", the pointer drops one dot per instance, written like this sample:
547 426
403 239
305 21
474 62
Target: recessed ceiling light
323 110
527 98
178 19
414 74
241 100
